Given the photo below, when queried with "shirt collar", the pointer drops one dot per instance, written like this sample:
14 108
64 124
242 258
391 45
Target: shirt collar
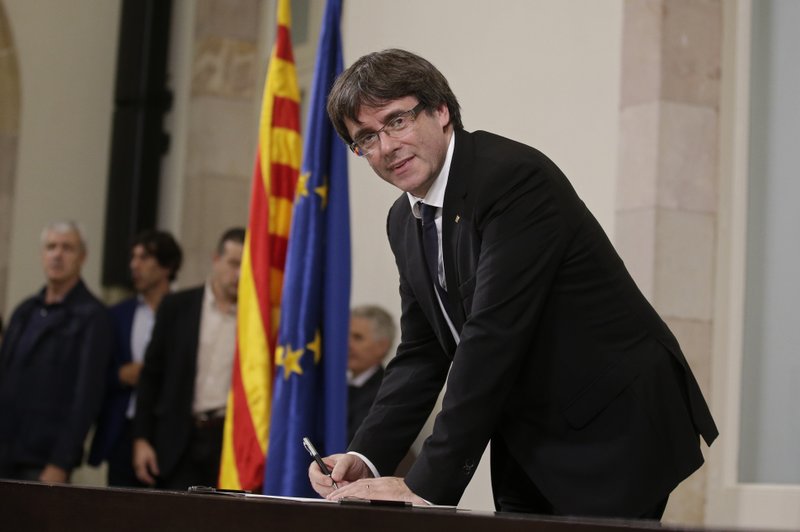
210 300
435 195
362 378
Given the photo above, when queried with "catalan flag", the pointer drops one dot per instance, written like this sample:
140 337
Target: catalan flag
310 393
262 271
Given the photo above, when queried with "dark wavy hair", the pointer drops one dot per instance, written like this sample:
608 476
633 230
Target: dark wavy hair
163 247
380 77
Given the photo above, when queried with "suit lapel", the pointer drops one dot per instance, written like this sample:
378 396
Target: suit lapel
417 276
415 268
452 212
195 321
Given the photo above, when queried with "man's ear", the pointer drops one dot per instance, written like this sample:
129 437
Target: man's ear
442 114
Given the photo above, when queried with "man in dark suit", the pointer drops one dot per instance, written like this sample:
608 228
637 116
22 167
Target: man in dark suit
53 364
184 383
509 286
155 260
371 335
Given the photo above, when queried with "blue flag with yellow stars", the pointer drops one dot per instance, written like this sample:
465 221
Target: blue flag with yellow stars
310 392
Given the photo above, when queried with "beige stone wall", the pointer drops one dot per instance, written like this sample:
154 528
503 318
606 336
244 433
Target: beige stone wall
230 45
9 132
667 185
221 138
66 55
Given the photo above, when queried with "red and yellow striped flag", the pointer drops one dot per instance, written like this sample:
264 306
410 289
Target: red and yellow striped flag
274 179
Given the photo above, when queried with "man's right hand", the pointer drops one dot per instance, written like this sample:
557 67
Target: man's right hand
345 468
145 464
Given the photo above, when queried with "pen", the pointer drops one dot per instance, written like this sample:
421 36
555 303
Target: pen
318 459
358 501
214 491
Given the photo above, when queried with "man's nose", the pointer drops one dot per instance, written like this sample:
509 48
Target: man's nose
386 144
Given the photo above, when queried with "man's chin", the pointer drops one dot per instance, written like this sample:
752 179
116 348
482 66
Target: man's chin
412 185
54 276
58 278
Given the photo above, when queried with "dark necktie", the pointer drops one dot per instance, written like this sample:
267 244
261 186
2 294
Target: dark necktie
430 241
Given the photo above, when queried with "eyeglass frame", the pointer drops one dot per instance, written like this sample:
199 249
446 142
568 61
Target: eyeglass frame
411 114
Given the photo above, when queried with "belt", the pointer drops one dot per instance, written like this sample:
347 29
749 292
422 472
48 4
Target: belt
209 418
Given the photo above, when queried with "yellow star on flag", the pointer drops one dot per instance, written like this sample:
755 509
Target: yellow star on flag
302 184
316 347
289 359
322 191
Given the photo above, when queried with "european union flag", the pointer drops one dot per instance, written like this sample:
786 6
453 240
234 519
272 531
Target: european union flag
310 392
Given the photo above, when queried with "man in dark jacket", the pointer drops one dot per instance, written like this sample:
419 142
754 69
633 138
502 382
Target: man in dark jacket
52 366
512 294
183 387
372 333
155 260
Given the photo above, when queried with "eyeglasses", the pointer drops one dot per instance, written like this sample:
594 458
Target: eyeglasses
395 128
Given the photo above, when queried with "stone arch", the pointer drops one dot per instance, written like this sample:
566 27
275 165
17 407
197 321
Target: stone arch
9 140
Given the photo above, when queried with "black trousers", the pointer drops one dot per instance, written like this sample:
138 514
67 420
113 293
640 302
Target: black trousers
199 465
120 460
514 491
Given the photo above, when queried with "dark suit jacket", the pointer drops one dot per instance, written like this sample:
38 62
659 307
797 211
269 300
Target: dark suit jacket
166 385
50 395
560 355
359 401
115 405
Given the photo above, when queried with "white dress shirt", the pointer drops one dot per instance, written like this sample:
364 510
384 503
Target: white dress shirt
435 197
141 328
215 350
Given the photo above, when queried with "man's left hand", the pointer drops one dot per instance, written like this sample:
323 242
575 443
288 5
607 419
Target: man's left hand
384 488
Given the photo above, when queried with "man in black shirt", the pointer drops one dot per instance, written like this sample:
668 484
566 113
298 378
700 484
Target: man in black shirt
52 366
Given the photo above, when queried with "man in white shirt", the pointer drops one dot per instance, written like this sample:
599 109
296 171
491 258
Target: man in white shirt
183 386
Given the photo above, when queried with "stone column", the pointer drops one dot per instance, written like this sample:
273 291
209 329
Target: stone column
666 211
9 135
222 113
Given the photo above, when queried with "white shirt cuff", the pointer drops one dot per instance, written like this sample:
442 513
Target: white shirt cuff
367 461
